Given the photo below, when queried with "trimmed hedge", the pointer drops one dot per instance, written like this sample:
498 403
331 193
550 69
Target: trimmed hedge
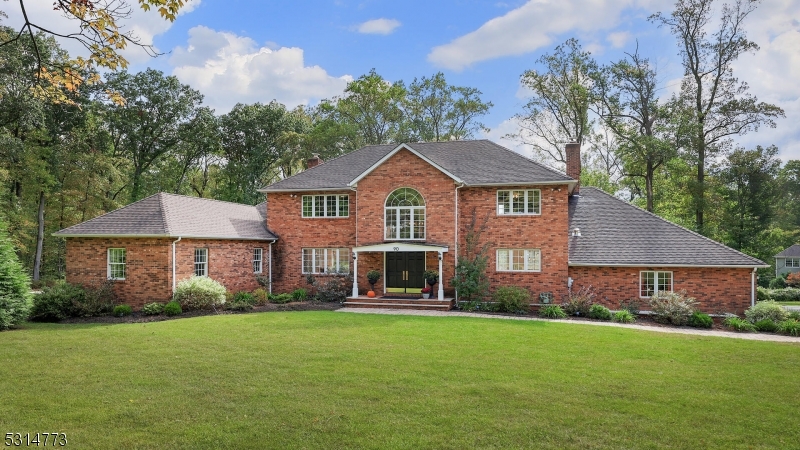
199 293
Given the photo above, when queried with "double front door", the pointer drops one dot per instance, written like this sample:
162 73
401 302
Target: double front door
405 272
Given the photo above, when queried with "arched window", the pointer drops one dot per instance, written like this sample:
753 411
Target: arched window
405 215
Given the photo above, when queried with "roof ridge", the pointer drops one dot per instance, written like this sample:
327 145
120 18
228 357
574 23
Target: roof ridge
540 164
107 213
719 244
164 213
169 194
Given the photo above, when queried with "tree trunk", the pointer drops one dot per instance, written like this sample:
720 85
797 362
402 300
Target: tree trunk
700 193
37 263
648 181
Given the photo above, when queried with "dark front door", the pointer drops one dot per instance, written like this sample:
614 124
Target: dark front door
404 272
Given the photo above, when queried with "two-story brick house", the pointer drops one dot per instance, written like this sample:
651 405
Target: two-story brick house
402 209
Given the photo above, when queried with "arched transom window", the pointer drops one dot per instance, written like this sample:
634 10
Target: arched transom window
405 215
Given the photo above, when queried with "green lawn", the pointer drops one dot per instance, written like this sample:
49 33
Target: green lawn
789 303
340 380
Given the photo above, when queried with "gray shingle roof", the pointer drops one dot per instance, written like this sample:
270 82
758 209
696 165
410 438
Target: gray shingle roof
475 162
171 215
614 232
791 252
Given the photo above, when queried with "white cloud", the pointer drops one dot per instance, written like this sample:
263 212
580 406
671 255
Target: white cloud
378 26
619 38
228 68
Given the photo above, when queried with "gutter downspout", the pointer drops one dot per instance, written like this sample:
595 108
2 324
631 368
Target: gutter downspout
174 283
753 287
270 267
456 246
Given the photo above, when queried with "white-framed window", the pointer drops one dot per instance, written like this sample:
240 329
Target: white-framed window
792 262
404 215
652 282
258 260
519 260
519 202
116 263
326 205
201 262
326 260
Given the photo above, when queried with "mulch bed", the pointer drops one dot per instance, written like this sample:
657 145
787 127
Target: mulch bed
643 319
138 317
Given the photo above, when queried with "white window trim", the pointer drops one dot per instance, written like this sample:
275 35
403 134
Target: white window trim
260 260
123 264
525 257
205 263
655 289
795 263
324 260
325 206
497 203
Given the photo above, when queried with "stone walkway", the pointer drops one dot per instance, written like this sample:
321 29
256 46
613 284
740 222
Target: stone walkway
695 331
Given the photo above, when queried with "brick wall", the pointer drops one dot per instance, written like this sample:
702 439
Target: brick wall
717 289
229 261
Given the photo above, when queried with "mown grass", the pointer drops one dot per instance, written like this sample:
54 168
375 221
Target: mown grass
789 303
340 380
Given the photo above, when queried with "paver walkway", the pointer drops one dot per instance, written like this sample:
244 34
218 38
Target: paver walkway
695 331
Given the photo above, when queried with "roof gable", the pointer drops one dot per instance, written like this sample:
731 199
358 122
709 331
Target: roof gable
394 152
791 252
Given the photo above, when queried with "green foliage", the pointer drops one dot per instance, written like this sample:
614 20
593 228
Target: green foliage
633 305
777 283
578 303
790 327
763 294
785 295
512 299
239 306
261 296
280 298
795 315
624 316
766 310
199 293
57 302
15 297
471 281
244 297
153 309
299 295
599 312
672 307
373 276
431 277
700 320
173 308
766 325
333 288
97 301
122 310
738 324
552 312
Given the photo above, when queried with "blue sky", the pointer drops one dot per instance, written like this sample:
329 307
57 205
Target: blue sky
299 52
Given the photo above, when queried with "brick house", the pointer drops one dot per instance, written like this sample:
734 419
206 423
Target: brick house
402 209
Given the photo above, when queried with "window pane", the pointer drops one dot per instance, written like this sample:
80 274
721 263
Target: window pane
391 224
405 223
308 206
308 260
257 255
533 201
532 259
319 260
503 202
344 206
502 260
518 202
344 260
517 259
319 206
664 281
201 262
419 223
648 284
330 201
331 258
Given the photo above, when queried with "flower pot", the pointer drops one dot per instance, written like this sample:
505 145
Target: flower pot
426 295
371 294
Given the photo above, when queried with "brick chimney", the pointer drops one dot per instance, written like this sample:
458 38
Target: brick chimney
314 161
573 151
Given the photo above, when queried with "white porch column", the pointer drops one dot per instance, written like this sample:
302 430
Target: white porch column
355 274
441 287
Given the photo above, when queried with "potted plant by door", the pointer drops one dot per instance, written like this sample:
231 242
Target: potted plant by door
426 292
373 276
431 277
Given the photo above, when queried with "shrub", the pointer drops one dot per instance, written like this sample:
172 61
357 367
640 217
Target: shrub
512 299
793 280
672 307
261 296
737 324
122 310
794 315
785 295
239 306
766 310
763 294
471 305
431 277
790 327
299 295
244 297
173 308
578 303
335 288
777 283
153 309
633 306
599 312
700 320
98 301
766 325
199 293
373 276
56 302
552 312
624 316
15 286
263 280
280 298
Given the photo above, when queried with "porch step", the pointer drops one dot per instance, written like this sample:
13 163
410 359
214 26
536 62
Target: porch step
423 304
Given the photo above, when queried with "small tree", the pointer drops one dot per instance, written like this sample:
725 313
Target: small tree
793 280
15 285
471 281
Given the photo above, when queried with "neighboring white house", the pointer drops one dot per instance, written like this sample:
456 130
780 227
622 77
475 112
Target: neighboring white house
788 261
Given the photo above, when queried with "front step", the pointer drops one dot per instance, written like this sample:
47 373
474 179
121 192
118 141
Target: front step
386 303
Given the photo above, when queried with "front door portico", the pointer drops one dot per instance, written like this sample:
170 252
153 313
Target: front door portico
405 265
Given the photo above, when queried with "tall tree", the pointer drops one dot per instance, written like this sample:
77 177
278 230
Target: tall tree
558 111
437 111
715 104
